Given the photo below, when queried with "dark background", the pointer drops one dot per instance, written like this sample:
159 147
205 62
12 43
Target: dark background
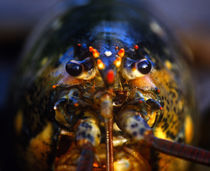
188 19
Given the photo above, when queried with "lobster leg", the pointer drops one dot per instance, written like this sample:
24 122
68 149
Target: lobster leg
87 157
87 136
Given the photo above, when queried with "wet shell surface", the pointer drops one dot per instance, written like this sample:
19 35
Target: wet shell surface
95 68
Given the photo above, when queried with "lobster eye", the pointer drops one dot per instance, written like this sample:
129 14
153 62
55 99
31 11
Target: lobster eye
74 69
144 66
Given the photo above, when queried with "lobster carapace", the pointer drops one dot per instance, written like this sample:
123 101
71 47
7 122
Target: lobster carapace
101 82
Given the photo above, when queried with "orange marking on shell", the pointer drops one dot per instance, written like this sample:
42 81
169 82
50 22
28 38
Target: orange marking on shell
133 69
136 47
100 64
76 104
96 54
54 86
110 76
117 62
116 47
140 101
158 91
121 52
95 164
90 48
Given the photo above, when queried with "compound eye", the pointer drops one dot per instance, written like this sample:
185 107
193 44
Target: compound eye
144 66
74 69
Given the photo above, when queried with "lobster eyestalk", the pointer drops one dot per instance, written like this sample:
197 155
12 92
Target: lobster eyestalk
106 112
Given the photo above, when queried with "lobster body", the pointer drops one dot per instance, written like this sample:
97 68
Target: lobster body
94 52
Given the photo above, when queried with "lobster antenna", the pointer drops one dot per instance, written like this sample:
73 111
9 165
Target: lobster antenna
106 112
183 151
